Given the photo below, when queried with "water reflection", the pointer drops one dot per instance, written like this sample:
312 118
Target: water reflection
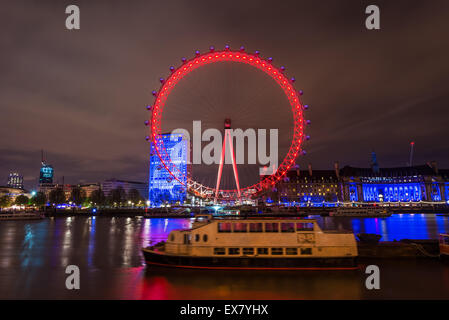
160 283
91 247
396 227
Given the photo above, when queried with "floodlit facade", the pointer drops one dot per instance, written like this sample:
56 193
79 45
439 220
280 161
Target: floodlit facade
163 188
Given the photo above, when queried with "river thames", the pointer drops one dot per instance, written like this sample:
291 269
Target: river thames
34 255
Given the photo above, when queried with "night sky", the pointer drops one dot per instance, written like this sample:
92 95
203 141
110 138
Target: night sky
81 95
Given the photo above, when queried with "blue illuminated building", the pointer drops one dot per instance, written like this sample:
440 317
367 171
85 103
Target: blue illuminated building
446 192
445 177
403 184
163 188
392 192
353 194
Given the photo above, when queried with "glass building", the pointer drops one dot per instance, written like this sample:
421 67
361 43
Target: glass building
163 188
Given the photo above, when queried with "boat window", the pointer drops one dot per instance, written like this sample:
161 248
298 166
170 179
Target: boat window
197 237
240 227
172 237
233 250
262 250
272 227
444 239
306 250
248 251
304 226
219 251
291 251
187 238
288 227
277 251
224 227
205 238
255 227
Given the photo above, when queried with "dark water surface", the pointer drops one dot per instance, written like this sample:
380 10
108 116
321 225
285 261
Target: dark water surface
34 255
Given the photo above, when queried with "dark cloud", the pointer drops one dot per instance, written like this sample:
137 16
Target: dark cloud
80 95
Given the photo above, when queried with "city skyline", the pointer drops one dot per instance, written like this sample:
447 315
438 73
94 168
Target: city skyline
222 157
367 90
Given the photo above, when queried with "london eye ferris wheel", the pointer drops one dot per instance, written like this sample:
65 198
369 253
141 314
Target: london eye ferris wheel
221 91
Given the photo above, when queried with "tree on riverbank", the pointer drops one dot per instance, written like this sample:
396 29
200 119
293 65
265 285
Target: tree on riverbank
5 201
77 196
118 196
39 199
134 196
98 197
56 196
22 200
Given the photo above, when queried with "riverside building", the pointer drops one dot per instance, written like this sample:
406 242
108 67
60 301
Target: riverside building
415 184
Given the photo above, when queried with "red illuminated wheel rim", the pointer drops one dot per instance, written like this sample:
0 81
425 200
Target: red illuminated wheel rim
227 55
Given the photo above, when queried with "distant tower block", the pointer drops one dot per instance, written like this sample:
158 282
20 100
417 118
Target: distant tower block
47 172
374 164
412 146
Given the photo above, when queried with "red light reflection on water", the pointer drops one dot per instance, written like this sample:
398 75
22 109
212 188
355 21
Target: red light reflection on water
172 284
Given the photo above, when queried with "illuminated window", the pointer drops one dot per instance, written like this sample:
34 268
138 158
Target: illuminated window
224 227
240 227
187 238
304 226
271 227
219 251
291 251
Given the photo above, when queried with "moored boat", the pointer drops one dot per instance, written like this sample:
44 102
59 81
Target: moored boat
360 212
21 216
255 244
